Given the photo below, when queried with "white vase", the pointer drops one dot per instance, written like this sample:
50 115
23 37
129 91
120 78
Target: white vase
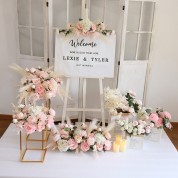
135 142
155 135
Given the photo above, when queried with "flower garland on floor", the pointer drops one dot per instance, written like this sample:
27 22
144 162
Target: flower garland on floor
86 27
82 138
33 118
37 84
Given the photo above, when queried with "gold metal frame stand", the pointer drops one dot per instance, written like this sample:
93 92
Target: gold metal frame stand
24 146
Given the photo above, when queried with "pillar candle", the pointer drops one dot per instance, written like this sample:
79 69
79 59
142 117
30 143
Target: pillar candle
116 147
123 145
118 139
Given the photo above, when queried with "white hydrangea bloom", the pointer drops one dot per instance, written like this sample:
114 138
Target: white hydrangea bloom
63 145
100 139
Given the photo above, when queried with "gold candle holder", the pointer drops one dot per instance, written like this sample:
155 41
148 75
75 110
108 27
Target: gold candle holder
24 148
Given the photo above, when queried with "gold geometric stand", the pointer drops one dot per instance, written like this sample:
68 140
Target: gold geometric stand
24 142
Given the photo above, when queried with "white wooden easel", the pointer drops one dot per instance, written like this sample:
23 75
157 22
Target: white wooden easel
84 83
84 109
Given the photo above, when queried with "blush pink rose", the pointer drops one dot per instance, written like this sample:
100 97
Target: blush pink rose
40 89
31 119
154 117
161 114
99 147
93 28
78 138
167 115
79 26
107 145
44 74
52 112
29 128
72 144
40 126
36 80
91 140
42 117
64 134
50 121
85 146
159 123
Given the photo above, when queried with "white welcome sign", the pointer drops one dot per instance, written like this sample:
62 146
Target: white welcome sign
88 57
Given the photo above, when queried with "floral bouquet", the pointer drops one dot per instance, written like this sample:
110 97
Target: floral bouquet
144 113
86 27
38 83
161 119
83 138
116 102
135 127
33 118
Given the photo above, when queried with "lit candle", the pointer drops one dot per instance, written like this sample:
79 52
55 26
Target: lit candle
116 147
123 145
118 139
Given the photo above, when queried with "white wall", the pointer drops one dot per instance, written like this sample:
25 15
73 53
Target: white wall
163 81
8 79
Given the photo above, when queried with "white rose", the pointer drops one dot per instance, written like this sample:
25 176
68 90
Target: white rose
20 115
143 130
14 121
21 106
130 130
126 127
99 129
135 123
27 69
151 124
32 70
148 131
113 32
63 145
100 139
33 86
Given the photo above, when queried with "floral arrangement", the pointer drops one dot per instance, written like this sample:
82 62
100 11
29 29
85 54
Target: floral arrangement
38 83
33 118
116 102
86 27
82 138
144 113
134 105
135 127
161 119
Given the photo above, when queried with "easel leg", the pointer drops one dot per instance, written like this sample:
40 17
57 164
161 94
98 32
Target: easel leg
65 100
80 104
102 102
84 98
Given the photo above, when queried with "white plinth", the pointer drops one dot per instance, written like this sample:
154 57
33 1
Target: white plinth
157 160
